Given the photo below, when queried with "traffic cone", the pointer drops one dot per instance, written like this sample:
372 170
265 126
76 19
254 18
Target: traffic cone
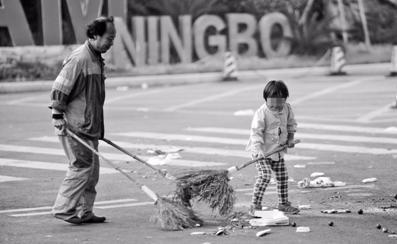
229 68
338 61
393 71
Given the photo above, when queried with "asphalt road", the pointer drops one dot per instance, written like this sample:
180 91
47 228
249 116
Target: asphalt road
347 128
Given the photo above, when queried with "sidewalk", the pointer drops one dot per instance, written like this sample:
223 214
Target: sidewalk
191 78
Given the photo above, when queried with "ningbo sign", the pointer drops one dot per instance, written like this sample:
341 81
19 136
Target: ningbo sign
153 37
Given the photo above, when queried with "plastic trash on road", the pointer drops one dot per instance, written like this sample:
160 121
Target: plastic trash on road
263 232
336 211
303 229
319 182
369 180
269 218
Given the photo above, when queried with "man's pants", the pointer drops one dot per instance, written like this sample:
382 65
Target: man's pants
265 168
77 192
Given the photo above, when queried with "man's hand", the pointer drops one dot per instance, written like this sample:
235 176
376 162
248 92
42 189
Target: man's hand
60 124
291 143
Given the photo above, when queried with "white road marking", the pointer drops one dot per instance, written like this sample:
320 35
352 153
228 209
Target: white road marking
99 207
43 165
198 150
326 91
232 141
345 138
211 98
137 94
23 100
126 205
110 156
370 186
373 114
49 207
5 178
344 128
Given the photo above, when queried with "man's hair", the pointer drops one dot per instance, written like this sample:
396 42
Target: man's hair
98 26
275 88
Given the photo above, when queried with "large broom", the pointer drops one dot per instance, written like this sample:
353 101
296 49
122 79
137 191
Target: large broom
170 215
184 194
212 186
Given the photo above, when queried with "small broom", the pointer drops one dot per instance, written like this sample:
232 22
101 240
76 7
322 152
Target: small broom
171 215
212 186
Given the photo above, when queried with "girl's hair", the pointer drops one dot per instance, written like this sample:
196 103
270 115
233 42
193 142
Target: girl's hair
275 88
98 26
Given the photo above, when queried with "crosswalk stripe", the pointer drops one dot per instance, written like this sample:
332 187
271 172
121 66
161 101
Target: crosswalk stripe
210 98
43 165
5 178
111 156
97 203
231 141
198 150
345 138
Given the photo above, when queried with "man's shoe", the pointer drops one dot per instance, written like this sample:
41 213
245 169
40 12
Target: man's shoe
74 220
93 219
287 208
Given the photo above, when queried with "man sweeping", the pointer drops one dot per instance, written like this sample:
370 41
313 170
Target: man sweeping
77 99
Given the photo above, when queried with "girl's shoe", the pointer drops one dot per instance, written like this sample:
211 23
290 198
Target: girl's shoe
287 208
254 208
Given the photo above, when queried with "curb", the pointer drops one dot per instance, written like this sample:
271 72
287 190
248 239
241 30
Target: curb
192 78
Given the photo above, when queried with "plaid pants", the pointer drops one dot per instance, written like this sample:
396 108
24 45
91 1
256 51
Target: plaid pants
265 168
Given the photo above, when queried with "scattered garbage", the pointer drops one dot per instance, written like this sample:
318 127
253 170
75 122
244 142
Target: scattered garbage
304 207
392 236
246 112
369 180
335 211
221 231
303 229
293 224
378 226
331 223
263 232
319 182
163 158
316 174
385 230
269 218
360 211
198 233
300 166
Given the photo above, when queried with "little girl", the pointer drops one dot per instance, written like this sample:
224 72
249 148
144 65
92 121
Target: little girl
273 125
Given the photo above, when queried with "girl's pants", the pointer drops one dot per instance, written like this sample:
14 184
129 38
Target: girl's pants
77 192
265 168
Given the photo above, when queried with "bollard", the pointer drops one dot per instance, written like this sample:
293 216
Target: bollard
229 68
338 60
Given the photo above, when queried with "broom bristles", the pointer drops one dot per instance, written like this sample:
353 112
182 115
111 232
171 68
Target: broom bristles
211 186
173 215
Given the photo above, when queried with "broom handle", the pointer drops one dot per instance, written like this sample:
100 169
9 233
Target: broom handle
162 173
276 150
144 188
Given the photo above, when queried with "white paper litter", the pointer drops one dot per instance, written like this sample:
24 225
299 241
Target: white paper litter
303 229
369 180
316 174
300 166
263 232
303 207
269 218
